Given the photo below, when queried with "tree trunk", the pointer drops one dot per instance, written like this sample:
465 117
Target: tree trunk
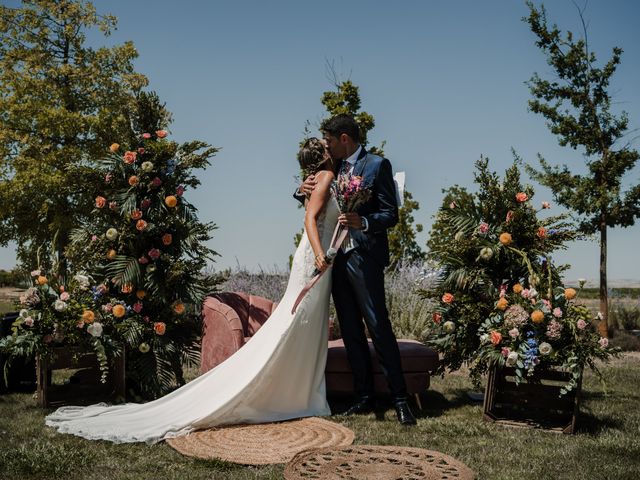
603 327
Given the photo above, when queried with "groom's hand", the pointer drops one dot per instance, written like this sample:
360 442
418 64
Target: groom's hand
308 185
351 220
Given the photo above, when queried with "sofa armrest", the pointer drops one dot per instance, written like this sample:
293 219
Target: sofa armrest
222 333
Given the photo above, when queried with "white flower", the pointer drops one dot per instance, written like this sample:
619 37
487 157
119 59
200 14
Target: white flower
83 280
458 236
112 234
449 326
60 306
36 273
486 253
24 313
582 281
544 348
95 329
604 342
512 359
600 316
484 338
533 293
514 332
28 322
147 166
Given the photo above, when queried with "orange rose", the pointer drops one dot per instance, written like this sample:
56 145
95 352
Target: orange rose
502 303
159 328
127 288
129 157
141 294
167 238
161 133
447 298
496 337
505 238
522 197
118 311
517 288
111 254
114 147
88 316
570 293
136 215
100 202
171 201
537 316
542 232
42 280
437 318
133 180
179 308
141 225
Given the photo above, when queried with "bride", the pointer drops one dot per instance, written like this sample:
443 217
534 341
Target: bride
277 375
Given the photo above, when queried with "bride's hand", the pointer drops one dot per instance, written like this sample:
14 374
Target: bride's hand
308 185
321 262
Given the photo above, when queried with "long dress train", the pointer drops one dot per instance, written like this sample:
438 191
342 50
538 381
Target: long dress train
277 375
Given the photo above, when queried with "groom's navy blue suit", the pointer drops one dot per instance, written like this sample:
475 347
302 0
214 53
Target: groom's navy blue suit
358 282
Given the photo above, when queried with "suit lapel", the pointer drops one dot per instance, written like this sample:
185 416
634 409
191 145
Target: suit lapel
361 162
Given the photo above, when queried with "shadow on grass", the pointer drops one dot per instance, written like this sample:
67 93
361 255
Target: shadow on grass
592 425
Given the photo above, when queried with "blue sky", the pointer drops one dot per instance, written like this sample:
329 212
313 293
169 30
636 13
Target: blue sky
443 79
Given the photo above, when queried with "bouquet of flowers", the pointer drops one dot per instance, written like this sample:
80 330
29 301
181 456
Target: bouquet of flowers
54 313
351 192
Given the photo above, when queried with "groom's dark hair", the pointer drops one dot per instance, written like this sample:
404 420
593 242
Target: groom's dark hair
342 123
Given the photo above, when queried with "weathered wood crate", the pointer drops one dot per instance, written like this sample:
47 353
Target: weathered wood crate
534 403
85 386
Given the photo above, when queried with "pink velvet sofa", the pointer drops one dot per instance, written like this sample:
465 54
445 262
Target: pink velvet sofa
231 318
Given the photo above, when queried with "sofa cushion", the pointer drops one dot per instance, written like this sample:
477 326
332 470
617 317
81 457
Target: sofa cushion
415 357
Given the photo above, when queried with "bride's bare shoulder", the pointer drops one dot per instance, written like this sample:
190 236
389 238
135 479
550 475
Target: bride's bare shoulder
325 176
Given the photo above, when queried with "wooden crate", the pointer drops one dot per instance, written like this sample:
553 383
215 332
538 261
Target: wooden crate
533 404
86 387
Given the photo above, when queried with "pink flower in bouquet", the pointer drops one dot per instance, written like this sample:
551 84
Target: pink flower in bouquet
136 215
483 228
94 238
514 332
547 305
36 273
503 290
604 342
154 254
447 298
28 322
107 308
108 177
113 205
557 312
146 318
496 337
143 260
129 157
522 197
581 324
437 318
505 351
100 202
141 225
161 133
137 307
145 204
141 150
180 190
156 182
146 136
509 216
554 329
525 293
546 205
64 296
452 205
542 232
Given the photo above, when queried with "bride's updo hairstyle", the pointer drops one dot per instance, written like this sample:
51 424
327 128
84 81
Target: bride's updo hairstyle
312 156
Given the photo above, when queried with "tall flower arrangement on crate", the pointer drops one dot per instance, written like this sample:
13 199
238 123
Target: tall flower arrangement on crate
148 247
499 299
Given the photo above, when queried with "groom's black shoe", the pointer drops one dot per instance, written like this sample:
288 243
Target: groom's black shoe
405 416
361 407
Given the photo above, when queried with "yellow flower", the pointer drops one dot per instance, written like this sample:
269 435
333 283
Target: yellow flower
114 147
505 238
171 201
42 280
537 316
502 303
569 293
118 311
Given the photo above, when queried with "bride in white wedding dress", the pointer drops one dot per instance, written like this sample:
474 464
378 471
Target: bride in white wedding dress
277 375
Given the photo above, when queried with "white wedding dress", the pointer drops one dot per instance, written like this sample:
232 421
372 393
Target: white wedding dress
277 375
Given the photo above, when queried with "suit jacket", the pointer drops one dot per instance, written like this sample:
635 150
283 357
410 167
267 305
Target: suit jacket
381 211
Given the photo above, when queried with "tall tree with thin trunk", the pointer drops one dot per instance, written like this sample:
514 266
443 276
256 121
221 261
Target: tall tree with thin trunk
577 107
61 103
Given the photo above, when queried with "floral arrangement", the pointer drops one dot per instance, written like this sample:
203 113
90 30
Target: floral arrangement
499 299
351 192
54 313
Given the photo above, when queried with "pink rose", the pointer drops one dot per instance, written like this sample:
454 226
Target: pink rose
161 133
145 204
107 308
509 216
113 205
483 228
141 150
108 177
180 190
503 290
129 157
137 307
525 293
64 296
143 260
156 182
146 135
604 342
154 253
94 238
28 322
514 332
505 351
146 318
447 298
557 312
581 324
452 205
522 197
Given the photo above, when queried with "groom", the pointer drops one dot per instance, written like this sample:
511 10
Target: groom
358 270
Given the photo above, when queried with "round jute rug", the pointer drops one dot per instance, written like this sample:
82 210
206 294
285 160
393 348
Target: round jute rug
263 444
373 462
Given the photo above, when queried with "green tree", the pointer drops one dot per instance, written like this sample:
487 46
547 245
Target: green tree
403 246
577 107
61 102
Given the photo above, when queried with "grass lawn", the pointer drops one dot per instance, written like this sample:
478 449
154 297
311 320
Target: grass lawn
607 445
